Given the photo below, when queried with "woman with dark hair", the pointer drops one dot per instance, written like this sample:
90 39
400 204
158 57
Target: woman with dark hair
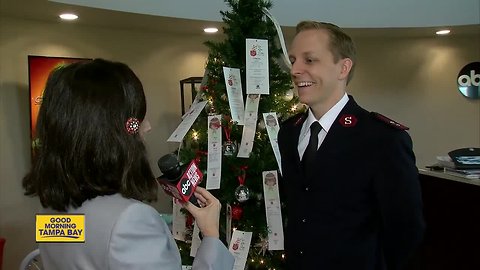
92 161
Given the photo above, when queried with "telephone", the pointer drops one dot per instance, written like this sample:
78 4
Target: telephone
466 158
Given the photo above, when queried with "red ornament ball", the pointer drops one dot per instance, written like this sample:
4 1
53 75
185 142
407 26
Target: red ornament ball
237 212
189 220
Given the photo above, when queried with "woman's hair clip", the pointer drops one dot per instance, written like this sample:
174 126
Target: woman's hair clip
132 125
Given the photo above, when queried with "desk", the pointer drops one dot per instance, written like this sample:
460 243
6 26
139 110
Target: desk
452 215
446 176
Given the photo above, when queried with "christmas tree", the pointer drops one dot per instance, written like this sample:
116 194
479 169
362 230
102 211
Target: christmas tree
241 190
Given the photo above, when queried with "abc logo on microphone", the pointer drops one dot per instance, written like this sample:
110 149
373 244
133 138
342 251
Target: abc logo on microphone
183 187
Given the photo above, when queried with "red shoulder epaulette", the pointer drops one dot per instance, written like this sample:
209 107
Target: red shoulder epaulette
388 121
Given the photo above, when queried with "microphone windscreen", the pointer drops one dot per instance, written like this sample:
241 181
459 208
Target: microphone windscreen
167 162
170 166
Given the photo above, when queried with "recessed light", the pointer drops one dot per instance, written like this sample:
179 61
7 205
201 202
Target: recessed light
68 16
210 30
443 32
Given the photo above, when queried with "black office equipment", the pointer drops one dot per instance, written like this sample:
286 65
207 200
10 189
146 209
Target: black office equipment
466 158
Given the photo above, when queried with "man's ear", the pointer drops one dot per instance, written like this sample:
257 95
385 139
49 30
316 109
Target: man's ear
345 68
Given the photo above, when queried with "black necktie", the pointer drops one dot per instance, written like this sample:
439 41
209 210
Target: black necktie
308 159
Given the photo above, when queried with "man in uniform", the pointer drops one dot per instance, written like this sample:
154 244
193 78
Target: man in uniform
352 190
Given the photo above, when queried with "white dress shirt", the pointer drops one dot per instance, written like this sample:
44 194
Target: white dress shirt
325 121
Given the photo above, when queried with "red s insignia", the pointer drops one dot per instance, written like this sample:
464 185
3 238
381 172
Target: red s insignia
348 120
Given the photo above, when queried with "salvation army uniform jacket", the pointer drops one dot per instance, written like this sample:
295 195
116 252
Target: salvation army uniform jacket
126 234
361 208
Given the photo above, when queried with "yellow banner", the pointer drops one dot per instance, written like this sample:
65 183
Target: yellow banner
60 228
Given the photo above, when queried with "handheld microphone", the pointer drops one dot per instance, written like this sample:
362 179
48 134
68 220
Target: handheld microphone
179 181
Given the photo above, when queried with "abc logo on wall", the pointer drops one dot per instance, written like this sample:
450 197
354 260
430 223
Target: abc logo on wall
468 80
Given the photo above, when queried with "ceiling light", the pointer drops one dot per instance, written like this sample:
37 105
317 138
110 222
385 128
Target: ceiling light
68 16
210 30
443 32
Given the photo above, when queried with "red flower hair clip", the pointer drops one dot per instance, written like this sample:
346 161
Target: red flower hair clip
132 125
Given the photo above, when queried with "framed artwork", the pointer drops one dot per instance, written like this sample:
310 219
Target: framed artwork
39 68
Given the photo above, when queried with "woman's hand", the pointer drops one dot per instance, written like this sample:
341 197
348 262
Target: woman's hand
208 215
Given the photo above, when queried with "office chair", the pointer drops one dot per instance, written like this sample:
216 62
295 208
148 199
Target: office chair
32 261
2 245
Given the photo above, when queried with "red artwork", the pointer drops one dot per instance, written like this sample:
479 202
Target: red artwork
39 67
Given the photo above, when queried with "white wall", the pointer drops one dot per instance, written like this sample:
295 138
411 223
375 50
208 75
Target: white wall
411 80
